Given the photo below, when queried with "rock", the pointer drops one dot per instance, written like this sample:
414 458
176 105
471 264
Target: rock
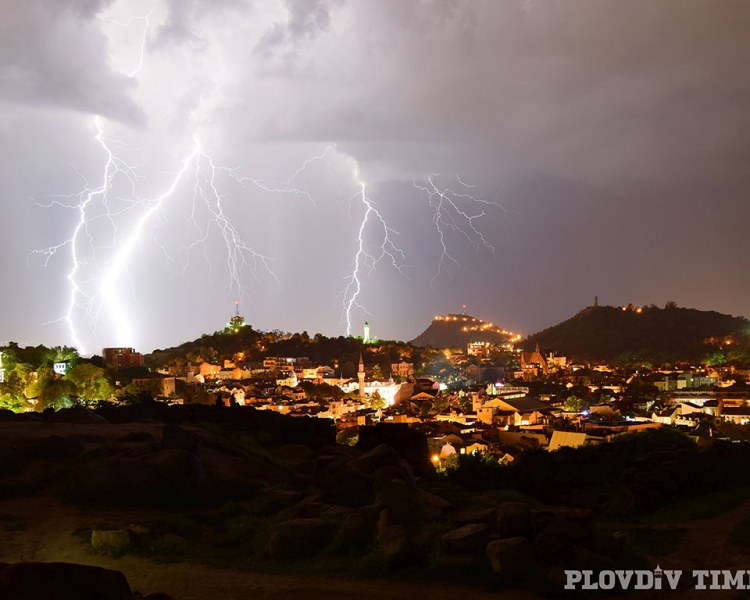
359 527
435 500
294 453
550 549
409 443
583 558
482 515
341 484
403 502
469 538
175 437
299 538
514 519
568 525
137 436
386 474
380 456
270 501
62 581
511 556
111 541
78 414
394 542
55 447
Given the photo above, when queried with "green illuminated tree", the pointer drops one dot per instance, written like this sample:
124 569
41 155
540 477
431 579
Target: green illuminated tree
91 383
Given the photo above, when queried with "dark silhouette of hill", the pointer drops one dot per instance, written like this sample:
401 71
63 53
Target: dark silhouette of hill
646 334
457 330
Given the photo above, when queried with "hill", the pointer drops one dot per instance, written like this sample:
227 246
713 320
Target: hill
632 335
456 330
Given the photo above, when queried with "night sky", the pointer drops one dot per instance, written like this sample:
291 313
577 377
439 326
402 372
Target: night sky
607 146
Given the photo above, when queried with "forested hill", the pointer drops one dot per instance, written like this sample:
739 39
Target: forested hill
633 334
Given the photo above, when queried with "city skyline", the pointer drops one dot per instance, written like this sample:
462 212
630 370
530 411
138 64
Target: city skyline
206 152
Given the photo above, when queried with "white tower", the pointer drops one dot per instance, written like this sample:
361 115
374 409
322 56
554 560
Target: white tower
366 336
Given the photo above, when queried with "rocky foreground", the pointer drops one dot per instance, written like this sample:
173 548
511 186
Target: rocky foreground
251 492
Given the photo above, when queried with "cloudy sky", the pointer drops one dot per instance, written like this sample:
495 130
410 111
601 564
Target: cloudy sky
161 158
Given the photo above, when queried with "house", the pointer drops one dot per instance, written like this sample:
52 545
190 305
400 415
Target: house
402 369
667 416
566 439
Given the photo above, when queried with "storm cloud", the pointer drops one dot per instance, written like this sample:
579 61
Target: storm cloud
613 135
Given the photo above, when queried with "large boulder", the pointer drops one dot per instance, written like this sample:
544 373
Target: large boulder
342 484
78 414
54 447
380 456
394 540
510 556
469 538
62 581
409 443
569 525
111 541
514 519
359 526
298 538
402 502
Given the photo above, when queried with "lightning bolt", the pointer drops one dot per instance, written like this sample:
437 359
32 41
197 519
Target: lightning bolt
94 284
448 214
386 249
144 35
85 200
454 211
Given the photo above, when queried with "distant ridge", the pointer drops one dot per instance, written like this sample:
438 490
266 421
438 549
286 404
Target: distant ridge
456 330
645 333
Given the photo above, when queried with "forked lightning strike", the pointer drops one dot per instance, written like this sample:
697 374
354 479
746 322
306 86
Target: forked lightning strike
453 212
363 258
449 215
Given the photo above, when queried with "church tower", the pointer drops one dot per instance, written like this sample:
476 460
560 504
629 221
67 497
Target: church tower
361 377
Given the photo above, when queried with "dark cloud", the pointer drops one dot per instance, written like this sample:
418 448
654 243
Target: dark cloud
53 55
615 134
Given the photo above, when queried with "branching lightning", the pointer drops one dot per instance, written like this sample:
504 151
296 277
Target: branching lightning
101 259
386 249
448 214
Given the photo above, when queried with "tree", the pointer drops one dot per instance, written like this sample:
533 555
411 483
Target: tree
51 391
90 382
376 401
574 404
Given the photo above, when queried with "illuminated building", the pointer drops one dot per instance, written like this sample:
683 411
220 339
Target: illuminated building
61 368
2 370
366 336
122 358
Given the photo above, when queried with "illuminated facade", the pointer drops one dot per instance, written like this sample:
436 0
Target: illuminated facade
122 358
2 369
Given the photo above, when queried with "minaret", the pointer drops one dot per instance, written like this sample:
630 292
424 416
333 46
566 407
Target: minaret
361 377
366 337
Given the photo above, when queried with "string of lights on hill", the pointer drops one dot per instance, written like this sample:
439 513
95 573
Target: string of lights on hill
477 325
